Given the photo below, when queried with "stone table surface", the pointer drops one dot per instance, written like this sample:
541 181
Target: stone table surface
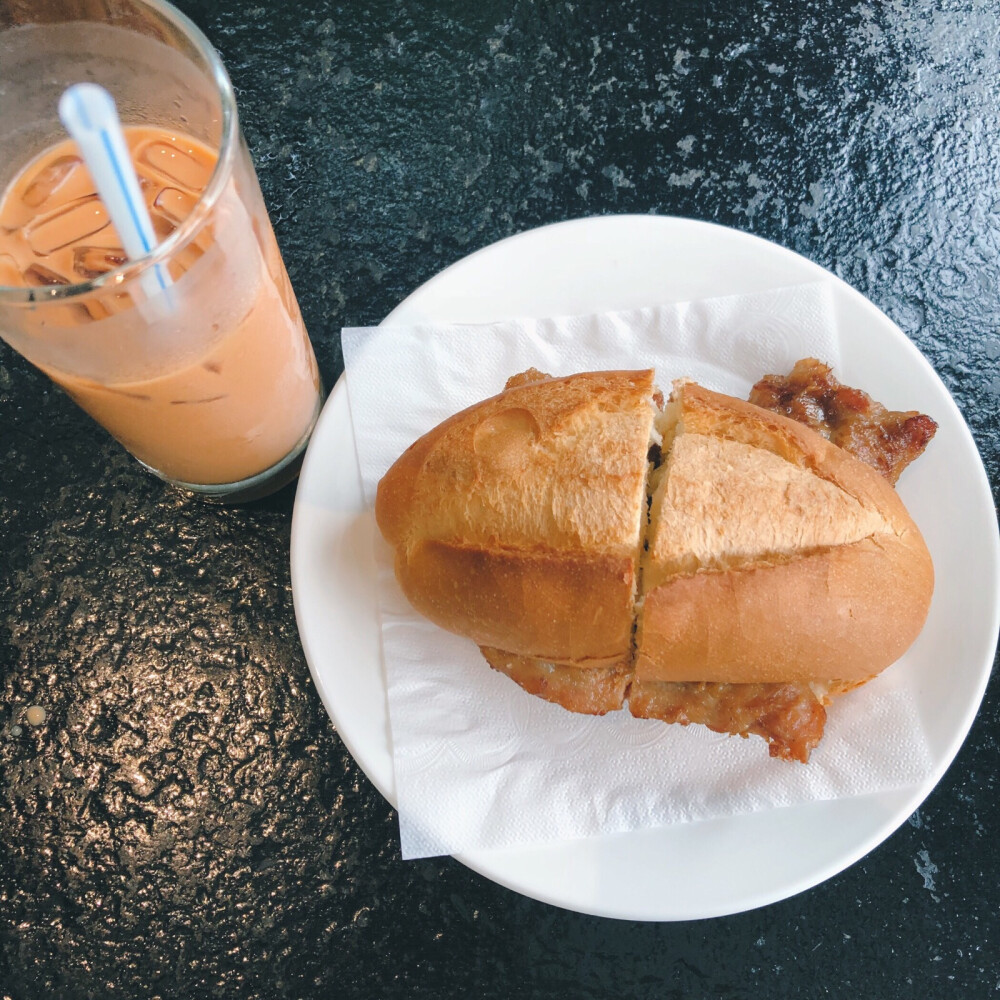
186 822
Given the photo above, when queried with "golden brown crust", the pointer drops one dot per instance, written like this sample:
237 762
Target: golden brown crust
846 612
518 522
707 412
546 604
722 505
526 377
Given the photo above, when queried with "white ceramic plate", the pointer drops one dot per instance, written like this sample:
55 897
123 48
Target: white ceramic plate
714 867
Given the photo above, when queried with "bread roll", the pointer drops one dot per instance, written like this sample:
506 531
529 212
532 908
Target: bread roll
774 556
519 521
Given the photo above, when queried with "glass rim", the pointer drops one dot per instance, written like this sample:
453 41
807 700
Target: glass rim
132 269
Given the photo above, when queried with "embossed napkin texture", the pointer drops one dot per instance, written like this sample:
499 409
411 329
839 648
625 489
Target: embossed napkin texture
480 764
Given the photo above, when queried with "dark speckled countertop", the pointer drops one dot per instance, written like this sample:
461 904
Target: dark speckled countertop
186 823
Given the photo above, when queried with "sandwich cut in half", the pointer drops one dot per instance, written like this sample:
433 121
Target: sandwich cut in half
707 561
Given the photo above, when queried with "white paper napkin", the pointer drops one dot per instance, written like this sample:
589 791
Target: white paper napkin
479 763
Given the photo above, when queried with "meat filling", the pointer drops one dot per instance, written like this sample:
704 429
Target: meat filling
887 440
789 716
591 690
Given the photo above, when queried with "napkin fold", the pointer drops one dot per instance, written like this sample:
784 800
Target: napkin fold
479 763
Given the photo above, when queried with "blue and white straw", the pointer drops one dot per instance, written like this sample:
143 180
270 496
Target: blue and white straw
89 114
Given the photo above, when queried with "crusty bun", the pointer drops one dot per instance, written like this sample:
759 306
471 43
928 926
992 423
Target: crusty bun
741 581
774 556
518 522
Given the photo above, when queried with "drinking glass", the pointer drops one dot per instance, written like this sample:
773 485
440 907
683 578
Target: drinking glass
207 377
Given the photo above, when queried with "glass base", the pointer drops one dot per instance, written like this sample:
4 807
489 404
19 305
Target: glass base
256 487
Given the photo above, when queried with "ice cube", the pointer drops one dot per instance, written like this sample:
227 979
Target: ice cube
95 309
184 260
38 274
74 222
106 239
174 204
174 164
10 273
90 262
162 226
53 176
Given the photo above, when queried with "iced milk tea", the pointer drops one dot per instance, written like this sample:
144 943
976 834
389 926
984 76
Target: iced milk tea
237 391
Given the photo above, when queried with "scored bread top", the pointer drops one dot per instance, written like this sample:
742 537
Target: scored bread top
558 464
721 504
773 555
518 522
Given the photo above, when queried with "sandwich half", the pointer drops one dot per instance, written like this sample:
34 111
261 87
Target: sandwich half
779 571
519 521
